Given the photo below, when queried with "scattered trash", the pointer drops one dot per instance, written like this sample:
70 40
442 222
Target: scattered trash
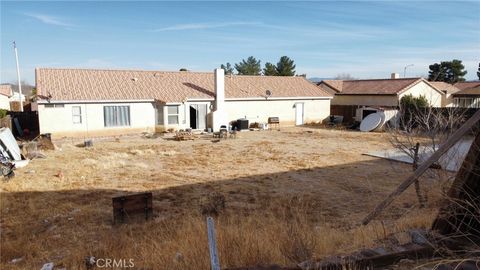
17 260
47 266
8 145
44 142
90 262
88 143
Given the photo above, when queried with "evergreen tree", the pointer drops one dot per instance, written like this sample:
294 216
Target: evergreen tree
447 71
228 68
478 72
249 67
270 69
285 67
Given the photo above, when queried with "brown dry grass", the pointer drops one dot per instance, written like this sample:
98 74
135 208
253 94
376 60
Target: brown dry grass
289 196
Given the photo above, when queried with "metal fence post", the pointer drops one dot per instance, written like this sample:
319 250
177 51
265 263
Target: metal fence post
212 244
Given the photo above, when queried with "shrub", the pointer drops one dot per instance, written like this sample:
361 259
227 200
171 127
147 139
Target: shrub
3 113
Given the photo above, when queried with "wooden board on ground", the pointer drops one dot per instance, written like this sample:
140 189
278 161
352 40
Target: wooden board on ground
131 208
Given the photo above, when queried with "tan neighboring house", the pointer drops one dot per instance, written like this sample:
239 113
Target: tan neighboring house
468 95
380 92
89 102
5 94
448 91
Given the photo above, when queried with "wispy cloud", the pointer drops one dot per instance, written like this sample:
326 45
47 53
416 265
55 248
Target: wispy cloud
47 19
202 26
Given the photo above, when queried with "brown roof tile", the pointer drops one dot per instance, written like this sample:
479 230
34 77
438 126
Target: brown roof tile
91 84
468 88
445 87
6 90
372 87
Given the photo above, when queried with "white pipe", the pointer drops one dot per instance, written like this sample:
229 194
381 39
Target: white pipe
18 77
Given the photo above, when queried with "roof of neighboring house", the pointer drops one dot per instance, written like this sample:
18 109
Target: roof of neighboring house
6 90
468 88
372 87
95 84
445 87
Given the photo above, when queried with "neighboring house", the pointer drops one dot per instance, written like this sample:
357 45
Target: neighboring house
5 94
468 95
448 91
380 92
88 102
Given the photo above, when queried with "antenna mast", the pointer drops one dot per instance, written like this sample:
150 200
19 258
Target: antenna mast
18 77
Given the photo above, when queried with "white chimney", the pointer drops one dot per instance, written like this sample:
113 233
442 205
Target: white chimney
219 89
219 115
395 76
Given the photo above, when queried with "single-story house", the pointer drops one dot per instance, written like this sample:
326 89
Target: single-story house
468 95
448 91
380 92
92 102
5 94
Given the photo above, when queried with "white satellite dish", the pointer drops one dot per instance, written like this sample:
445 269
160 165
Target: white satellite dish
371 122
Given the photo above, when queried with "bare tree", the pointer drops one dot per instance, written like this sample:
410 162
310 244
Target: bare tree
419 131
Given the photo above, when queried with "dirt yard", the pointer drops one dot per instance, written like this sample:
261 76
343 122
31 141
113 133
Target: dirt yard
289 195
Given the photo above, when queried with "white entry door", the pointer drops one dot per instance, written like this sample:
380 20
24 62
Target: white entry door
298 114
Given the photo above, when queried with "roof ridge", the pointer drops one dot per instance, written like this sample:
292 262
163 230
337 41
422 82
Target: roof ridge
118 69
386 79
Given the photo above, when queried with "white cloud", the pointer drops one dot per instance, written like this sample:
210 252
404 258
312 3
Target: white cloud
202 26
47 19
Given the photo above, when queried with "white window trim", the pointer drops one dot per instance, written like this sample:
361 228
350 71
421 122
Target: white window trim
172 114
79 115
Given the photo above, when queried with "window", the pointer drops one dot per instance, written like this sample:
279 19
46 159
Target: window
172 115
115 116
77 114
466 102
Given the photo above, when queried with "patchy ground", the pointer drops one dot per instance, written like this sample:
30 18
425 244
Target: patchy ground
306 184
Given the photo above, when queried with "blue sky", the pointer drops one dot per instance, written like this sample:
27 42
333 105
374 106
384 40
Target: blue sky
364 39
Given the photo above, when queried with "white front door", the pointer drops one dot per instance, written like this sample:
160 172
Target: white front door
298 114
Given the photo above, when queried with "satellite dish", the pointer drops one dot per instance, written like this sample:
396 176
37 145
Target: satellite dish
371 122
268 93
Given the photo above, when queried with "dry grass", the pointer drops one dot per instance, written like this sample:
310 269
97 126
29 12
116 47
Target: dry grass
288 196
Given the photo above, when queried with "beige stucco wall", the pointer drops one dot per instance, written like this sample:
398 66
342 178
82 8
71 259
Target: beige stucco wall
259 111
422 89
144 116
447 100
4 102
59 121
366 100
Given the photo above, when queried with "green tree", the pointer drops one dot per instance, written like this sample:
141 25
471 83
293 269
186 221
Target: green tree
251 66
270 69
447 71
228 68
286 66
411 102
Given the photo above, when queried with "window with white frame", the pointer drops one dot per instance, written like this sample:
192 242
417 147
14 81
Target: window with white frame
77 114
116 116
465 102
173 113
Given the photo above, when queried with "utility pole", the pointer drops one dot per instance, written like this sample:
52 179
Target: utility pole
405 70
18 77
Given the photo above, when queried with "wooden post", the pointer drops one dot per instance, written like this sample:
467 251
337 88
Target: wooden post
424 166
421 198
212 244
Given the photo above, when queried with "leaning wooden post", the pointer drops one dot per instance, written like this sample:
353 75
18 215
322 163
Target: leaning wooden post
421 199
212 244
424 166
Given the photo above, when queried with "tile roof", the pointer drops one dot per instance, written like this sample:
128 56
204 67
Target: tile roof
93 84
6 90
445 87
372 87
468 88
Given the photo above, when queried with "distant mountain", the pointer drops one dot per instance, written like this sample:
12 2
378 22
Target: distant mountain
317 79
